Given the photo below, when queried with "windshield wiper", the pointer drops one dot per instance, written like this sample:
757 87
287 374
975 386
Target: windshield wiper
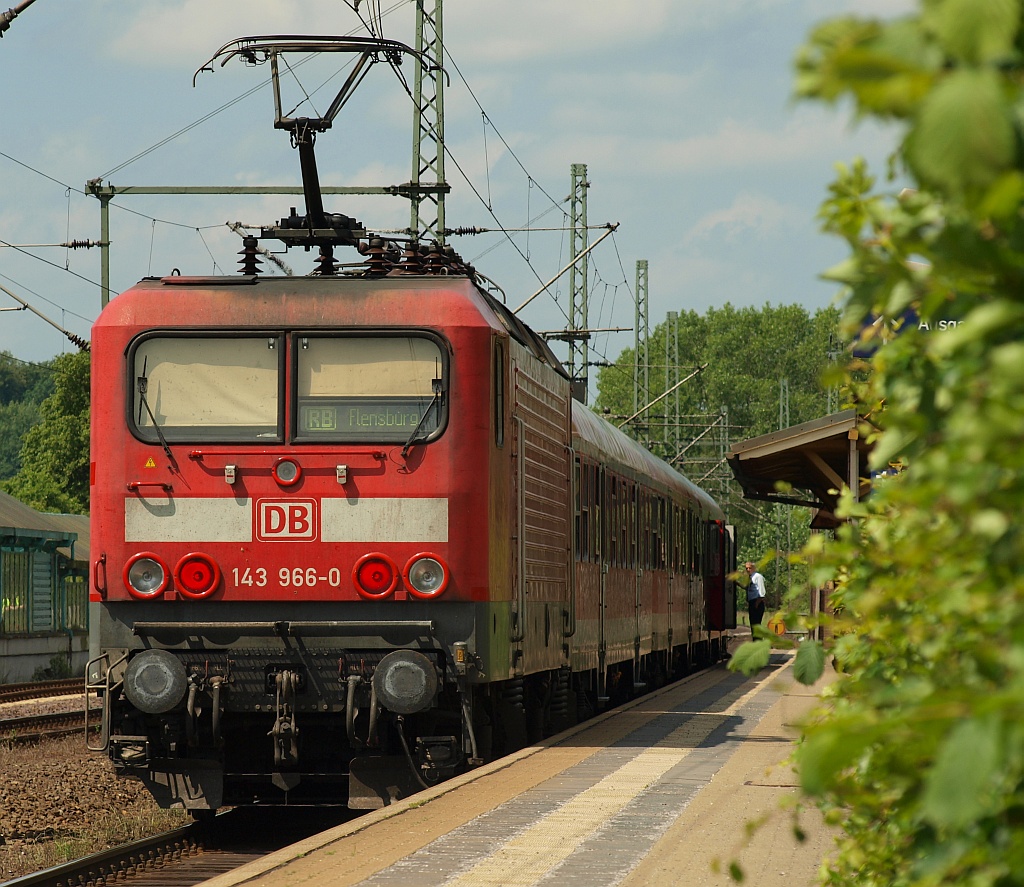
434 401
142 384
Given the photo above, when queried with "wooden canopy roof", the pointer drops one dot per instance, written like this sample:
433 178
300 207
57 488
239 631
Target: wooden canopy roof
813 461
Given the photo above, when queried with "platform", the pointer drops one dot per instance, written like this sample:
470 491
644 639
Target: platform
659 792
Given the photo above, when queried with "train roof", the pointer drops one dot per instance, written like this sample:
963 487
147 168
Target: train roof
595 437
315 287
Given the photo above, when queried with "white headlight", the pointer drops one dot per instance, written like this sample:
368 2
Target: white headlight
145 575
426 576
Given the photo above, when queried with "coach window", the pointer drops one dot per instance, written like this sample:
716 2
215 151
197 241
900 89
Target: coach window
581 512
677 536
691 552
374 389
612 519
646 528
629 524
205 388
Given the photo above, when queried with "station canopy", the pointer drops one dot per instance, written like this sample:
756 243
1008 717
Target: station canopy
813 461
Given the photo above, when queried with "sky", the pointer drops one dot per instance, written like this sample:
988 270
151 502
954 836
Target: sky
681 110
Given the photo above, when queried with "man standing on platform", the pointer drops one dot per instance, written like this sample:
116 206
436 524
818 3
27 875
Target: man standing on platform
756 592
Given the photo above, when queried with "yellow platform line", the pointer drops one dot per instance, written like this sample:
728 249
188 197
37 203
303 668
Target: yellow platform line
529 856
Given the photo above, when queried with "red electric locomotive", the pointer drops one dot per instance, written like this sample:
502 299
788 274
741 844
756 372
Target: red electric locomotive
351 534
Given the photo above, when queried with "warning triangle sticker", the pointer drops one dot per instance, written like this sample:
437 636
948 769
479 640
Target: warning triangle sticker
150 463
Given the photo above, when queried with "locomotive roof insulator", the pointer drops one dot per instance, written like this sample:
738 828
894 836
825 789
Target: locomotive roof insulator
435 262
412 259
250 261
326 266
377 264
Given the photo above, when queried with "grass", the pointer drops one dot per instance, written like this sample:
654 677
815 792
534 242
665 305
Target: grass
107 831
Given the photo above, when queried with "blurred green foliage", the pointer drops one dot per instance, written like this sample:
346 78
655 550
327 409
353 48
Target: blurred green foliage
920 752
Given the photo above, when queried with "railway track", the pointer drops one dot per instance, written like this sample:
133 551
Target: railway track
193 853
33 728
41 689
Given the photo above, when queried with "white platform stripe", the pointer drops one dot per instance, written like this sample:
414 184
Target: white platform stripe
197 519
528 856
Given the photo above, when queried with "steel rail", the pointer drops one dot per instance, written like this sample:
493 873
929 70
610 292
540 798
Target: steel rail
32 728
41 689
125 859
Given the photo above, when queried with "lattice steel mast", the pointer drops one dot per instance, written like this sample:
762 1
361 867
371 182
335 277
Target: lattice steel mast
578 324
428 185
641 333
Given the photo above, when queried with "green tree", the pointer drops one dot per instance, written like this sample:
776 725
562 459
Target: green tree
23 387
23 381
54 474
747 352
920 755
16 419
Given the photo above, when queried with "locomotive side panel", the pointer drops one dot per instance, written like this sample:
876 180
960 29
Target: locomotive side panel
541 457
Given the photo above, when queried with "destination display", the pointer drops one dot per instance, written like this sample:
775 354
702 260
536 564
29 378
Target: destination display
377 419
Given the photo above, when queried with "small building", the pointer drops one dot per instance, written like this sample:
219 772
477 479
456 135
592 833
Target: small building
808 465
44 592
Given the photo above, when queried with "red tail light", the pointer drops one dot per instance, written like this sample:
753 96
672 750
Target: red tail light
196 576
375 576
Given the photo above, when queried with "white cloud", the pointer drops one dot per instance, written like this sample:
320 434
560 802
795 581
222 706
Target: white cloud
736 144
173 33
502 31
732 147
756 213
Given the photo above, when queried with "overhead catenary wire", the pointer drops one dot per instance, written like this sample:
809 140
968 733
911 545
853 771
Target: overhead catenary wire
43 298
48 262
83 344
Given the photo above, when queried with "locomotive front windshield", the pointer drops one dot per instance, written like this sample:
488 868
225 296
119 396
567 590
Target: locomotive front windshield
343 388
368 388
207 388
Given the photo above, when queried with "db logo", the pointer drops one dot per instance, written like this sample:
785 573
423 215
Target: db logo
286 520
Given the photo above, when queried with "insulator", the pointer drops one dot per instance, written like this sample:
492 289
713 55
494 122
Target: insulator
411 259
250 261
435 259
326 266
376 261
83 344
455 261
